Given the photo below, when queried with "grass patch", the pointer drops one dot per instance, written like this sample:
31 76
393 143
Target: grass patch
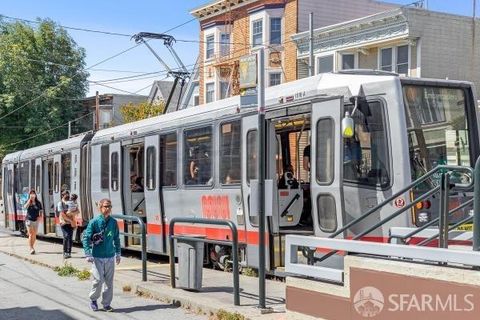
83 275
67 270
250 272
225 315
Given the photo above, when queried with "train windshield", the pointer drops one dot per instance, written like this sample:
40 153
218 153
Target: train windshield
437 126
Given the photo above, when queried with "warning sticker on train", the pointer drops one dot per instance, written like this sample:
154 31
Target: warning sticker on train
399 202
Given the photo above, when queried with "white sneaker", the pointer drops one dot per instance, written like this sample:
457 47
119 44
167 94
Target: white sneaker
32 251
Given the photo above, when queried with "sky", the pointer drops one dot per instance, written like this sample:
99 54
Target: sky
129 17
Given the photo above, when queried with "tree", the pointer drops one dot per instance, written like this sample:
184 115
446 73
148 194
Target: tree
42 80
133 112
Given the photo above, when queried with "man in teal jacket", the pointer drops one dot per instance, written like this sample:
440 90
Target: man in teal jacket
103 250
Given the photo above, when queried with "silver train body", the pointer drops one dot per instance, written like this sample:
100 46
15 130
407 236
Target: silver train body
201 162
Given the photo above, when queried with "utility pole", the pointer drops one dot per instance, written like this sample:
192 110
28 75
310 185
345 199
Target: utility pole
69 129
97 111
261 176
311 62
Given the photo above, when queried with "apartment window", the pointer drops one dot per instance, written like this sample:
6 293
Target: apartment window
325 64
386 59
348 61
257 32
196 100
210 47
402 59
275 30
225 44
224 88
275 79
210 89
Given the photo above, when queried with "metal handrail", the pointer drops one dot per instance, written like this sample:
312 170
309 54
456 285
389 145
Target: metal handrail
142 237
450 228
410 205
234 244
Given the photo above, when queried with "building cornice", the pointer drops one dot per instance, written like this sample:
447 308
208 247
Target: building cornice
217 7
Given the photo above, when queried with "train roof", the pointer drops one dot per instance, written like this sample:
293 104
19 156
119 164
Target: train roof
332 84
55 147
12 157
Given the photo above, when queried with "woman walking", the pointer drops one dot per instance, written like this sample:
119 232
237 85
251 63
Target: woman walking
66 224
34 208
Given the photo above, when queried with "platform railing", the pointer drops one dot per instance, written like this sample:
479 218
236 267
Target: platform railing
142 237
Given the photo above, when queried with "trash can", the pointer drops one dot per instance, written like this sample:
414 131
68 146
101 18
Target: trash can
190 263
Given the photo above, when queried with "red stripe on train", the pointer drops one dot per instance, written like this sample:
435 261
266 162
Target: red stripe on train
249 237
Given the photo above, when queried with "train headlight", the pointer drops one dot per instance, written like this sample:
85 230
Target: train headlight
423 217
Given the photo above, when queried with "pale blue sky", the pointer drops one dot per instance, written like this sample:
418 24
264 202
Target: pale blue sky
129 17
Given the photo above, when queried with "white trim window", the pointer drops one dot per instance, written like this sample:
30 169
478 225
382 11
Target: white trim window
325 63
276 30
209 46
224 89
395 59
257 33
347 61
275 78
210 92
224 44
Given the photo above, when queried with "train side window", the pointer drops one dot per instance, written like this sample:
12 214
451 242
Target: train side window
114 171
66 171
252 155
24 184
56 178
32 174
151 168
365 156
168 147
10 182
230 153
198 156
325 147
104 166
37 178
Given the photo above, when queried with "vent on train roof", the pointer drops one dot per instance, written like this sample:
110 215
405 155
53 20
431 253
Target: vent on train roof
368 72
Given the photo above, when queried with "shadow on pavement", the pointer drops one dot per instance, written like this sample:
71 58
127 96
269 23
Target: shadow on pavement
145 308
33 313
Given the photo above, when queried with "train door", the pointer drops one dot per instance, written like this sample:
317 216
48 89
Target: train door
37 185
250 172
154 214
3 217
47 196
57 191
10 198
133 187
326 166
115 185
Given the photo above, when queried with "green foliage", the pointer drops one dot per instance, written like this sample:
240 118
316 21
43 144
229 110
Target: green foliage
225 315
43 64
133 112
249 272
67 270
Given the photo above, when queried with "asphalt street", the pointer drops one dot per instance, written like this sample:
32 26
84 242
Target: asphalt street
28 291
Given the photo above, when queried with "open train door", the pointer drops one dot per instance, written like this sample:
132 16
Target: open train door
327 166
9 201
250 172
57 191
37 185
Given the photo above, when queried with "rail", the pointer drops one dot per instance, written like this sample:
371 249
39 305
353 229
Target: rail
142 237
233 243
444 188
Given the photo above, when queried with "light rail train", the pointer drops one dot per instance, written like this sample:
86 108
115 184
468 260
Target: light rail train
202 162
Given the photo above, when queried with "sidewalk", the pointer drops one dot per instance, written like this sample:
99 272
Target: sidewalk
216 293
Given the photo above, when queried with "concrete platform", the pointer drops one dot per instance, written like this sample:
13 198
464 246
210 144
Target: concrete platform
216 294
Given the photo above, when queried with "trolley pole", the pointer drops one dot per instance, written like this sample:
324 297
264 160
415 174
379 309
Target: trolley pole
311 61
261 175
97 111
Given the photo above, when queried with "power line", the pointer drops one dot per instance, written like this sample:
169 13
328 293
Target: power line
70 28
